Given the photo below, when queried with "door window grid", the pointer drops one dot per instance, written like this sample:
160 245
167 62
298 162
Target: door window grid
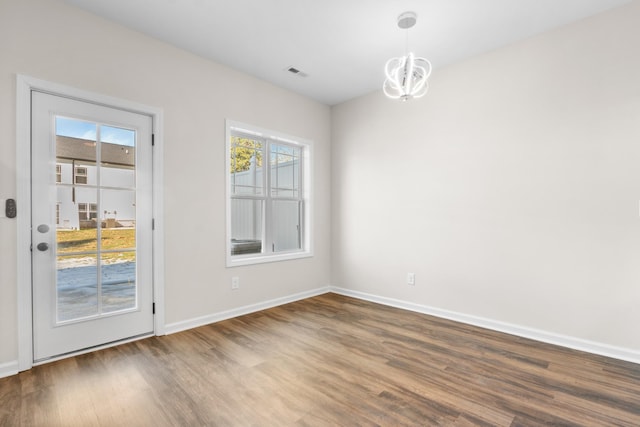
107 252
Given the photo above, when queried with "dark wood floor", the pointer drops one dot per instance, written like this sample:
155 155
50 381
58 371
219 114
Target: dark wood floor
328 360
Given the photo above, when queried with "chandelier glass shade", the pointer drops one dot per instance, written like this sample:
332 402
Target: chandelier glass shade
406 76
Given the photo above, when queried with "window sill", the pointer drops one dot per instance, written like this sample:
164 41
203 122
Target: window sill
241 260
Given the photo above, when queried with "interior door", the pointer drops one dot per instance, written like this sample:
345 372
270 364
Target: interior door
91 225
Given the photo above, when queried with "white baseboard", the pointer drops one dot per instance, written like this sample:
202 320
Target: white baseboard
601 349
9 368
172 328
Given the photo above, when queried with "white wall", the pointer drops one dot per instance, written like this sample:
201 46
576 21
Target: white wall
50 40
512 189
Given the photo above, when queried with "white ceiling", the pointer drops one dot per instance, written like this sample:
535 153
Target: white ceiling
341 44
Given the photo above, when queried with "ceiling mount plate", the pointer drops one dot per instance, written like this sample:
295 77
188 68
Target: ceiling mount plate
407 20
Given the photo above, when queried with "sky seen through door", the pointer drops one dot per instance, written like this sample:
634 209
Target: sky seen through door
75 128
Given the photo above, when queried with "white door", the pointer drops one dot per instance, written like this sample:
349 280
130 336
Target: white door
91 225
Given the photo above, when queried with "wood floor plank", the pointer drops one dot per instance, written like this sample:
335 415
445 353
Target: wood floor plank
328 360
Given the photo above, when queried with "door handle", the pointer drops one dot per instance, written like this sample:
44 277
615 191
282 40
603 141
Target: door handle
42 246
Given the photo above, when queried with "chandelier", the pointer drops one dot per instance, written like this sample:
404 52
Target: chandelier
406 75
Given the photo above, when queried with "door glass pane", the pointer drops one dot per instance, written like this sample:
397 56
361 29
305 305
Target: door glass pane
77 287
117 157
118 281
118 219
286 225
246 226
94 223
72 242
118 239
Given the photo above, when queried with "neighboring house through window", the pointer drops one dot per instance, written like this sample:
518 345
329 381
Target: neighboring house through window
268 202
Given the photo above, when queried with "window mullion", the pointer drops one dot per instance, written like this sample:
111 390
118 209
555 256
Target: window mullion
268 235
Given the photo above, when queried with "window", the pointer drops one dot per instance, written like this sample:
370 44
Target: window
87 211
268 196
80 175
58 174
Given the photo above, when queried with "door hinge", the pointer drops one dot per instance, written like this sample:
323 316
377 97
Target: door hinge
153 223
153 139
153 308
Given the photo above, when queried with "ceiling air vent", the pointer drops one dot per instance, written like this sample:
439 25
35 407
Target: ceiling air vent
295 71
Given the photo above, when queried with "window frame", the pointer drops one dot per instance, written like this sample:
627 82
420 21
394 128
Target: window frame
81 172
89 208
234 128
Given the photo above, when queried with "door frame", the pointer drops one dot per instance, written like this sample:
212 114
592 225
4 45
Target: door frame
24 86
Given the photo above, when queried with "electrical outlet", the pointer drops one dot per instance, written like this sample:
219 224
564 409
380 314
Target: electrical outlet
235 283
411 279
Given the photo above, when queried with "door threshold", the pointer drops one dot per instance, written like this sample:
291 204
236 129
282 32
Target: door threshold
92 349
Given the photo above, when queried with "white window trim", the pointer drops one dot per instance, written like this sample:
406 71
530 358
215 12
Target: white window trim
307 191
